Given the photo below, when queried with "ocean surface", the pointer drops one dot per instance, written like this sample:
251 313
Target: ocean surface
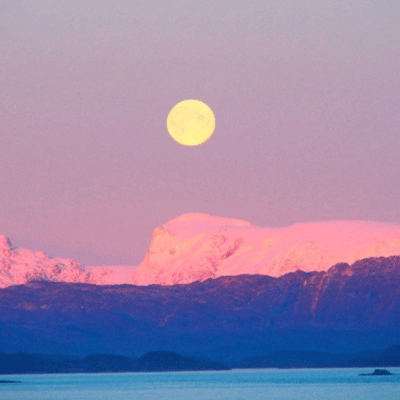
271 384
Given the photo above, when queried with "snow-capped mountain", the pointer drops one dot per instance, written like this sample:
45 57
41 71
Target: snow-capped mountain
19 266
196 247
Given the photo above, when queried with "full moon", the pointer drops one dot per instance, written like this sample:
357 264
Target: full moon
191 122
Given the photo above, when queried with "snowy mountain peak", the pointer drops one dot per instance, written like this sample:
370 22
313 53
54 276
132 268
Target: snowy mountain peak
5 243
19 266
205 219
194 223
197 247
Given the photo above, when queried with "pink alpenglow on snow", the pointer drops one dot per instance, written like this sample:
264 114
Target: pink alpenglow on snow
196 247
19 266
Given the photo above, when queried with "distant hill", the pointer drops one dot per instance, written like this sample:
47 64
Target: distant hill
163 361
347 309
151 362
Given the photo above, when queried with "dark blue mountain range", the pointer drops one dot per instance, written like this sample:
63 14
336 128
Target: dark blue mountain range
347 309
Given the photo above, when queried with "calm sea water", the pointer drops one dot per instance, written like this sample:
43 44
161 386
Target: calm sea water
311 384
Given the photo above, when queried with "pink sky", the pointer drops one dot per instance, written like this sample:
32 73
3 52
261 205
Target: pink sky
305 96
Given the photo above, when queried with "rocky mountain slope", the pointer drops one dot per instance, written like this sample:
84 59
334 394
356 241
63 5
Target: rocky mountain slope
195 247
348 308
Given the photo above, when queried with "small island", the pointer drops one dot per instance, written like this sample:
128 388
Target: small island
156 361
379 372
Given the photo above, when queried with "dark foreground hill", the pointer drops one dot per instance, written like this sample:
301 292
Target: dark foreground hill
344 310
161 361
151 362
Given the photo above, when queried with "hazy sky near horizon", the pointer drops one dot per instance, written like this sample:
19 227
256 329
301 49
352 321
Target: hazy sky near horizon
306 98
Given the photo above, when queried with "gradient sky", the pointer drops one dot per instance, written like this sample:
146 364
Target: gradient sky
305 93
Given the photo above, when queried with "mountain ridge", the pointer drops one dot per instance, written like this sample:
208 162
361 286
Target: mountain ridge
348 308
195 247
